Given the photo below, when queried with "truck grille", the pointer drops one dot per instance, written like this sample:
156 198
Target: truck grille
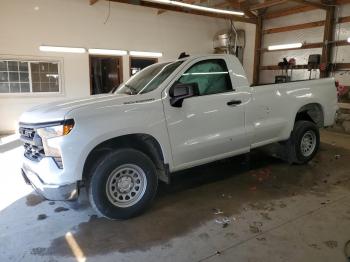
33 147
34 153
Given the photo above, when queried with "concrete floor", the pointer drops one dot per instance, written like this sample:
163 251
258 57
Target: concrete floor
275 212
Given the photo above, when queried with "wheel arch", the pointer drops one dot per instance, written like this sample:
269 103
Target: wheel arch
311 112
143 142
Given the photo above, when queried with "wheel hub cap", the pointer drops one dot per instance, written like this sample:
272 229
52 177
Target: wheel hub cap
126 185
308 143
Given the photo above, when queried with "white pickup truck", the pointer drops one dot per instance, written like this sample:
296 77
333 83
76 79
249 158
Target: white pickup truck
168 117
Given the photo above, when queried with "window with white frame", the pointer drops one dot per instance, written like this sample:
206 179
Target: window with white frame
17 76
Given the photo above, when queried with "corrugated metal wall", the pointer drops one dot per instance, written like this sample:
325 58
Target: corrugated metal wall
310 35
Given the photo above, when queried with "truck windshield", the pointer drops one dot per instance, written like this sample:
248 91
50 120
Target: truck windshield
148 79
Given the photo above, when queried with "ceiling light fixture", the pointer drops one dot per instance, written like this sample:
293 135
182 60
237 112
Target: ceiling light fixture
145 54
95 51
197 7
61 49
285 46
348 40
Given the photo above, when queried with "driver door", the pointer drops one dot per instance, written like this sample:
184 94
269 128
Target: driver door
209 126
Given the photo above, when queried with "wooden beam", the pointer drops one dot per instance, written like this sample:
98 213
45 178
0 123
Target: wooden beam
244 6
342 2
266 4
338 66
289 11
276 67
309 3
257 50
327 37
228 3
188 11
294 27
298 9
341 43
92 2
345 19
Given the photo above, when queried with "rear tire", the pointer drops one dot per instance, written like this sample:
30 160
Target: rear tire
303 142
123 184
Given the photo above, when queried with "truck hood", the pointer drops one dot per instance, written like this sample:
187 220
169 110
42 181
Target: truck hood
56 111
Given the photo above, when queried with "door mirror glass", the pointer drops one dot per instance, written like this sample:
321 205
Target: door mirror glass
178 92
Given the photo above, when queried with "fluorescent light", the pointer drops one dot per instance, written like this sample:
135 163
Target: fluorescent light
285 46
61 49
107 52
145 54
349 40
197 7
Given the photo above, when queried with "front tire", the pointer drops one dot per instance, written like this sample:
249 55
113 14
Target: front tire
303 143
123 184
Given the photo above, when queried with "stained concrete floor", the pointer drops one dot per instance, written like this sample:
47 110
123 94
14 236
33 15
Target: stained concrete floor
273 212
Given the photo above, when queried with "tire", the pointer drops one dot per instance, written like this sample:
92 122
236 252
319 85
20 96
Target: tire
303 143
122 184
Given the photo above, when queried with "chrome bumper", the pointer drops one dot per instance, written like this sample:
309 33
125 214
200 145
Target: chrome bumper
50 192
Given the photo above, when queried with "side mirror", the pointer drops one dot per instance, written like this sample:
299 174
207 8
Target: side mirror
178 92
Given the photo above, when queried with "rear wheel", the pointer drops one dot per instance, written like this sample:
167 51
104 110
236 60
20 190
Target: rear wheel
303 142
123 184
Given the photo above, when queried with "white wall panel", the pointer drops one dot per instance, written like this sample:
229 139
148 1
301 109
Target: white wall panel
343 10
342 31
306 17
310 35
26 24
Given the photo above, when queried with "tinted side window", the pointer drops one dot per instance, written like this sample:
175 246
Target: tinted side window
211 76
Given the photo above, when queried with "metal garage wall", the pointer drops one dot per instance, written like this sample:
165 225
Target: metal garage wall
341 54
311 35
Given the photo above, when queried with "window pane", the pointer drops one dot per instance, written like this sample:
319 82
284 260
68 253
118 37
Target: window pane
4 77
53 68
4 87
35 77
34 67
25 88
14 88
13 65
44 67
36 87
44 77
3 65
23 66
44 87
211 76
14 77
54 86
24 77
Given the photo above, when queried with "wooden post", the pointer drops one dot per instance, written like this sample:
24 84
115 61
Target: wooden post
327 40
257 50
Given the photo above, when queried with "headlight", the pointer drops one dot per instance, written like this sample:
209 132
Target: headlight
51 146
56 131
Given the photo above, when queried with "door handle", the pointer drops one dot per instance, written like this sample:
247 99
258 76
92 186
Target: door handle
234 102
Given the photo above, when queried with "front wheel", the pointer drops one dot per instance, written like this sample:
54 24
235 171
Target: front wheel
123 184
303 142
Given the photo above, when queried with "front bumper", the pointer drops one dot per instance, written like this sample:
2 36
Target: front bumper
50 191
